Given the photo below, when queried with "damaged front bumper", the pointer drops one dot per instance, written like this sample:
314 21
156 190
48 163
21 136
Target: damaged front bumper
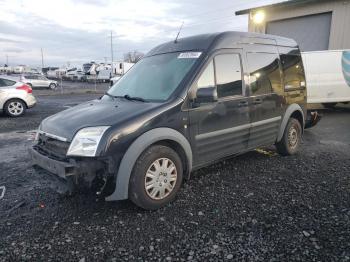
66 175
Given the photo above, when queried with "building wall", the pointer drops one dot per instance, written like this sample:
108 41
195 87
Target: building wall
340 26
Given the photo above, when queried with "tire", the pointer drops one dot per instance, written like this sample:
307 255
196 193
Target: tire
290 142
329 105
31 86
52 86
159 180
15 108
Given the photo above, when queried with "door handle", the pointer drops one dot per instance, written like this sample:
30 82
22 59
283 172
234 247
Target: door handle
243 103
257 101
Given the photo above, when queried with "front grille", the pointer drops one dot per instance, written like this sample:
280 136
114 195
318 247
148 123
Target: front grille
53 146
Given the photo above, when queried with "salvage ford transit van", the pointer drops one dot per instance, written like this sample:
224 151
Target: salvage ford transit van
185 105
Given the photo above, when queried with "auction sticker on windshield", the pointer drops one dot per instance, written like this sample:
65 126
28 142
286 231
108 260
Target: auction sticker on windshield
190 55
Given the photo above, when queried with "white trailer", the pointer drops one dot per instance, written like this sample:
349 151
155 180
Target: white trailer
18 69
120 68
327 76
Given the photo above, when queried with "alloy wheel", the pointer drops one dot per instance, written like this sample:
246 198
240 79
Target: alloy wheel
15 108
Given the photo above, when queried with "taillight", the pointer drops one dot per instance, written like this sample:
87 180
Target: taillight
26 88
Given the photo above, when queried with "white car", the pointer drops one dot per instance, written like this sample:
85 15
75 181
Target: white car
38 81
15 97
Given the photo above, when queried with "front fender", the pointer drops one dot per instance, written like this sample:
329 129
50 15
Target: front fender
134 151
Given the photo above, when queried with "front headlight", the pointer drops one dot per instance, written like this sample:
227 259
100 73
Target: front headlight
86 141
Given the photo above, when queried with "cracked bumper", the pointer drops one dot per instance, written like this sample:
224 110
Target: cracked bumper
59 168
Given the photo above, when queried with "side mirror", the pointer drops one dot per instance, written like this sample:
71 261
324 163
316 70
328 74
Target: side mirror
206 95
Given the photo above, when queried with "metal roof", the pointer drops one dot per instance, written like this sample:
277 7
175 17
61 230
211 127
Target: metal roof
283 4
214 41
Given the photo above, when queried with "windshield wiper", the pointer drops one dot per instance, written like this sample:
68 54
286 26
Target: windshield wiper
134 98
108 94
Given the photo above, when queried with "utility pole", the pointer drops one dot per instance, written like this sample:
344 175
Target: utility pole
42 59
112 53
7 60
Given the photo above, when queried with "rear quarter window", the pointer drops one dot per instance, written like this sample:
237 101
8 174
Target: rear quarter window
6 82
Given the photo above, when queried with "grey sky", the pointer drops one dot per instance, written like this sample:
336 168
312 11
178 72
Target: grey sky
78 30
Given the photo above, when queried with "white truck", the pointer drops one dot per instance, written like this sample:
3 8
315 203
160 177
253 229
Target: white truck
327 76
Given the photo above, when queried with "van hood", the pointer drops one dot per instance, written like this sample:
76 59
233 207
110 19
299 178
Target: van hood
105 112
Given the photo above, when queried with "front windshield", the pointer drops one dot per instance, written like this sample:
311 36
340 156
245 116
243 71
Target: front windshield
154 78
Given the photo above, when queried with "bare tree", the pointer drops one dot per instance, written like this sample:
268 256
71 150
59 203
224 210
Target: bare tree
133 56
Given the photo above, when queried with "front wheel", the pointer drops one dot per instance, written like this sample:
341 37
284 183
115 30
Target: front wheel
290 142
156 177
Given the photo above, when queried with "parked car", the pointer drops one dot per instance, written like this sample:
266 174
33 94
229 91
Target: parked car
76 75
38 81
15 97
185 105
328 77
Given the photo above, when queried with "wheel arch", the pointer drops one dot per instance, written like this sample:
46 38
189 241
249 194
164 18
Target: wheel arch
295 111
165 136
177 147
15 98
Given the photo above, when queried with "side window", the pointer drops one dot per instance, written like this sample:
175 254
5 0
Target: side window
293 71
8 82
2 83
228 75
264 72
207 77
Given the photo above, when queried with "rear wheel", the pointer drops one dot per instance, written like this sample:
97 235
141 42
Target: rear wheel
290 142
52 86
156 177
15 108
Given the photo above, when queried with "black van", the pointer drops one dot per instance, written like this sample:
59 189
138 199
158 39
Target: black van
185 105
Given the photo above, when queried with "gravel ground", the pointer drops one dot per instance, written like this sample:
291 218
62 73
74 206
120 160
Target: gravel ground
258 206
